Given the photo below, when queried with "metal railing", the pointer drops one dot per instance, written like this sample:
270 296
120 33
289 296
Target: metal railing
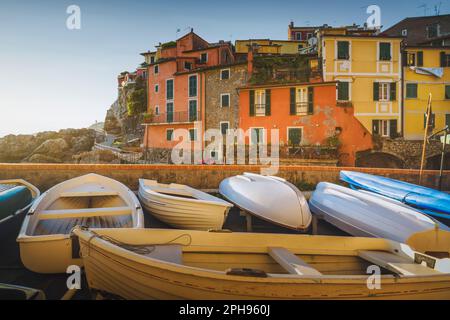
260 109
301 108
174 117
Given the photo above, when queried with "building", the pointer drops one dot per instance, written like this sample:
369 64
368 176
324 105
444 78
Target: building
426 71
296 33
267 46
367 67
176 88
427 30
303 109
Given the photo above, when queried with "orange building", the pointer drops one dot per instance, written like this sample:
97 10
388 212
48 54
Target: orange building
305 114
176 90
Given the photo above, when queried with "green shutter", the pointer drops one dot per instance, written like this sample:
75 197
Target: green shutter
447 120
343 50
268 102
393 128
343 91
420 59
447 92
310 100
375 126
443 62
393 93
411 90
385 51
252 103
293 109
376 91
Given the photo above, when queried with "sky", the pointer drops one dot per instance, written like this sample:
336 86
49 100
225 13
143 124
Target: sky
54 78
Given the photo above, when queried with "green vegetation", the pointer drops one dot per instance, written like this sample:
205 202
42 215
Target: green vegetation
137 99
280 69
168 45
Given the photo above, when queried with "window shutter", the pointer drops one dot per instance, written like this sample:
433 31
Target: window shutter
393 93
252 103
310 100
376 91
268 100
293 106
393 128
420 59
375 126
443 62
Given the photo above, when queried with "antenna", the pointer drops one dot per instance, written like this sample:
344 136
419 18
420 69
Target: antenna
437 8
425 8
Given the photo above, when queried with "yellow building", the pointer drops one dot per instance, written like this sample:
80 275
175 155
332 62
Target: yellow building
368 68
427 71
151 56
267 46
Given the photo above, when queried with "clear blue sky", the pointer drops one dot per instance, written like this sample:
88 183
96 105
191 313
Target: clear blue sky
55 78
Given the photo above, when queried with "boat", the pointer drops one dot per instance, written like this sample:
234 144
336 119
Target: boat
427 200
16 198
186 264
269 198
92 200
11 292
364 214
183 207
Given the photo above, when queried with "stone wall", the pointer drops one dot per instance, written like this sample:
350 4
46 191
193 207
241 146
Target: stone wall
45 176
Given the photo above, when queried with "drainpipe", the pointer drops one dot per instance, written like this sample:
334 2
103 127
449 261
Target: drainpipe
402 99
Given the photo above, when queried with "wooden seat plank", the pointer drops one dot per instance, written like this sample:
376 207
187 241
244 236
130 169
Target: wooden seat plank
291 263
83 213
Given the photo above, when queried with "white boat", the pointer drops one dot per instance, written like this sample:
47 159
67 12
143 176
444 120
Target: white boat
91 200
270 198
365 214
183 207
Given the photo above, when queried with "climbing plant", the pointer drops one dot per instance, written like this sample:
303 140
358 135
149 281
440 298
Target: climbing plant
137 99
280 69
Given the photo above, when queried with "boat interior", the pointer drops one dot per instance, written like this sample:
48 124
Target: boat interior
95 209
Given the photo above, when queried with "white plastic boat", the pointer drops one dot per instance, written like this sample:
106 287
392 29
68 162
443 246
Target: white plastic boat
92 201
183 207
364 214
269 198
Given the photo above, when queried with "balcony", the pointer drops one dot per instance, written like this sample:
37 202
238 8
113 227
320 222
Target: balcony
260 110
301 108
173 117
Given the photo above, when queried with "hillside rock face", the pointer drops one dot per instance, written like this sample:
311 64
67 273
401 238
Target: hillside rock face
46 147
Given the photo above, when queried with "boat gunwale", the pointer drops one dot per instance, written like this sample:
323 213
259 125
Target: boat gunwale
35 193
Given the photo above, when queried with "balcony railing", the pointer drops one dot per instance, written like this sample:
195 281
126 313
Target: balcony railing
174 117
301 108
260 109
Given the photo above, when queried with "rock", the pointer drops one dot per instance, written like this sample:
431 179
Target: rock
53 148
41 158
82 144
97 156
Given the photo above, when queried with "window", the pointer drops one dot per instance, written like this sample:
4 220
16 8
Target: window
411 59
169 89
447 92
300 48
224 126
256 135
193 86
411 90
294 136
343 91
193 134
156 88
404 32
157 110
385 51
447 120
187 65
192 110
152 59
169 134
385 128
225 100
433 31
204 58
225 74
301 99
156 69
298 36
384 92
309 35
169 112
445 59
343 50
431 123
144 74
260 102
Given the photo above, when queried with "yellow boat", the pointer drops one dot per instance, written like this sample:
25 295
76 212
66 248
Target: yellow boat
178 264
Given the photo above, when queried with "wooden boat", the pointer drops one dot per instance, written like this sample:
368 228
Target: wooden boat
365 214
180 264
183 207
429 201
16 198
10 292
269 198
91 200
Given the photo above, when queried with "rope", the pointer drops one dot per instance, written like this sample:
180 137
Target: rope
143 249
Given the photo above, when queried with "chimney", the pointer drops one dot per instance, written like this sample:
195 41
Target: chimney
291 24
252 50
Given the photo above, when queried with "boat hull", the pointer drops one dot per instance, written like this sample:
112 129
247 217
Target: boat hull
183 213
111 271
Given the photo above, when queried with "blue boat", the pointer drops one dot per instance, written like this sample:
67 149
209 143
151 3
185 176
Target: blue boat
16 198
427 200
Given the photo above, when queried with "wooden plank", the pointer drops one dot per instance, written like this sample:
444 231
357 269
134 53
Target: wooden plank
83 213
84 194
291 263
397 264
